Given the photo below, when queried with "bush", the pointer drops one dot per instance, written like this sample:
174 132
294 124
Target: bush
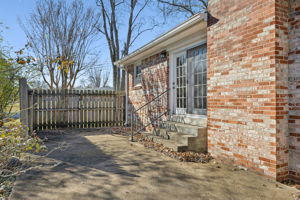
14 141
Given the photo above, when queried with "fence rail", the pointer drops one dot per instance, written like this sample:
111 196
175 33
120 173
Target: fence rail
52 109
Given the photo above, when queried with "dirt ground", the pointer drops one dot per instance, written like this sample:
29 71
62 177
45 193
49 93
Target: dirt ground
100 165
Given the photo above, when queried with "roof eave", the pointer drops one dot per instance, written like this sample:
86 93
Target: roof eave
188 23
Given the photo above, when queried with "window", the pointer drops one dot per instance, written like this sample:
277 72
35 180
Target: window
181 81
198 67
138 75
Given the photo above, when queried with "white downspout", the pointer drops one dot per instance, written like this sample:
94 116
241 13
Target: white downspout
126 97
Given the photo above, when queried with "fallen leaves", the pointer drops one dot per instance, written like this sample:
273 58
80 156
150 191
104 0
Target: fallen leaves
182 156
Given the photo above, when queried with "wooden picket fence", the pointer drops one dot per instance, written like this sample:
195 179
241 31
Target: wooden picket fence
53 109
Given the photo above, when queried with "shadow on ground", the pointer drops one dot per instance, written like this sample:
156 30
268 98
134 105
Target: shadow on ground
80 151
99 165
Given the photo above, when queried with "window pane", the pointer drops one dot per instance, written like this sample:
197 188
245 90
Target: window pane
204 78
197 62
196 102
138 70
200 103
204 65
196 91
180 104
200 78
197 68
196 79
200 91
138 74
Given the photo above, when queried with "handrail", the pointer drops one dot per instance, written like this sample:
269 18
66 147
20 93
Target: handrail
152 100
152 121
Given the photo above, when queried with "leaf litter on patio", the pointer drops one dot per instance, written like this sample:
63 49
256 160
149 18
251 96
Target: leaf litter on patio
181 156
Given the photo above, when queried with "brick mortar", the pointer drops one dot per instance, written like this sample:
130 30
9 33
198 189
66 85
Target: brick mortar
242 84
282 92
294 88
155 80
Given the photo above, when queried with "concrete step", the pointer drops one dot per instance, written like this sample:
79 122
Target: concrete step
176 146
194 137
196 120
180 137
162 132
173 135
179 127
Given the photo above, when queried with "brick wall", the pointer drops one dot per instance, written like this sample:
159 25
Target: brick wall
294 88
155 72
253 84
247 91
282 92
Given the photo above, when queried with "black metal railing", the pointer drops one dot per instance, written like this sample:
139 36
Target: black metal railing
150 114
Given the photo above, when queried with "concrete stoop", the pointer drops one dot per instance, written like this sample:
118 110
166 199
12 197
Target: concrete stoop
182 134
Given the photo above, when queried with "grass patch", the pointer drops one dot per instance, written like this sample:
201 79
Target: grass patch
15 108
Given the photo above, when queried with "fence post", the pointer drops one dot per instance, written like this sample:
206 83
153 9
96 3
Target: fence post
23 89
30 110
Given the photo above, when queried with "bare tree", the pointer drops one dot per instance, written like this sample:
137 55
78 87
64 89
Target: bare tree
186 7
132 24
61 35
97 77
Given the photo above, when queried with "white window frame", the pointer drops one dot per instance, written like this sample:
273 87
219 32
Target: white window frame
137 79
172 52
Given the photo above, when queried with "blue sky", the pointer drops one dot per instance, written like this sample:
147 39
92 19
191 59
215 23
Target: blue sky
11 11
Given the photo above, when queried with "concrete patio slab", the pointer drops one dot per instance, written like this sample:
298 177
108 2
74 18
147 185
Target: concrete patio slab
99 165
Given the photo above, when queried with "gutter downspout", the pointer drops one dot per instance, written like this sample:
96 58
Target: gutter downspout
126 97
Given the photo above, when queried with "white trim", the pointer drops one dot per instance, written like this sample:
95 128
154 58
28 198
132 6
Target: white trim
172 85
174 92
177 46
172 66
190 45
126 98
195 40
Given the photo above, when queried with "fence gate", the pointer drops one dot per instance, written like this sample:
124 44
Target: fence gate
52 109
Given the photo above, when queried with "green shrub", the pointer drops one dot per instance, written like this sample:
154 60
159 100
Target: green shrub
14 141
